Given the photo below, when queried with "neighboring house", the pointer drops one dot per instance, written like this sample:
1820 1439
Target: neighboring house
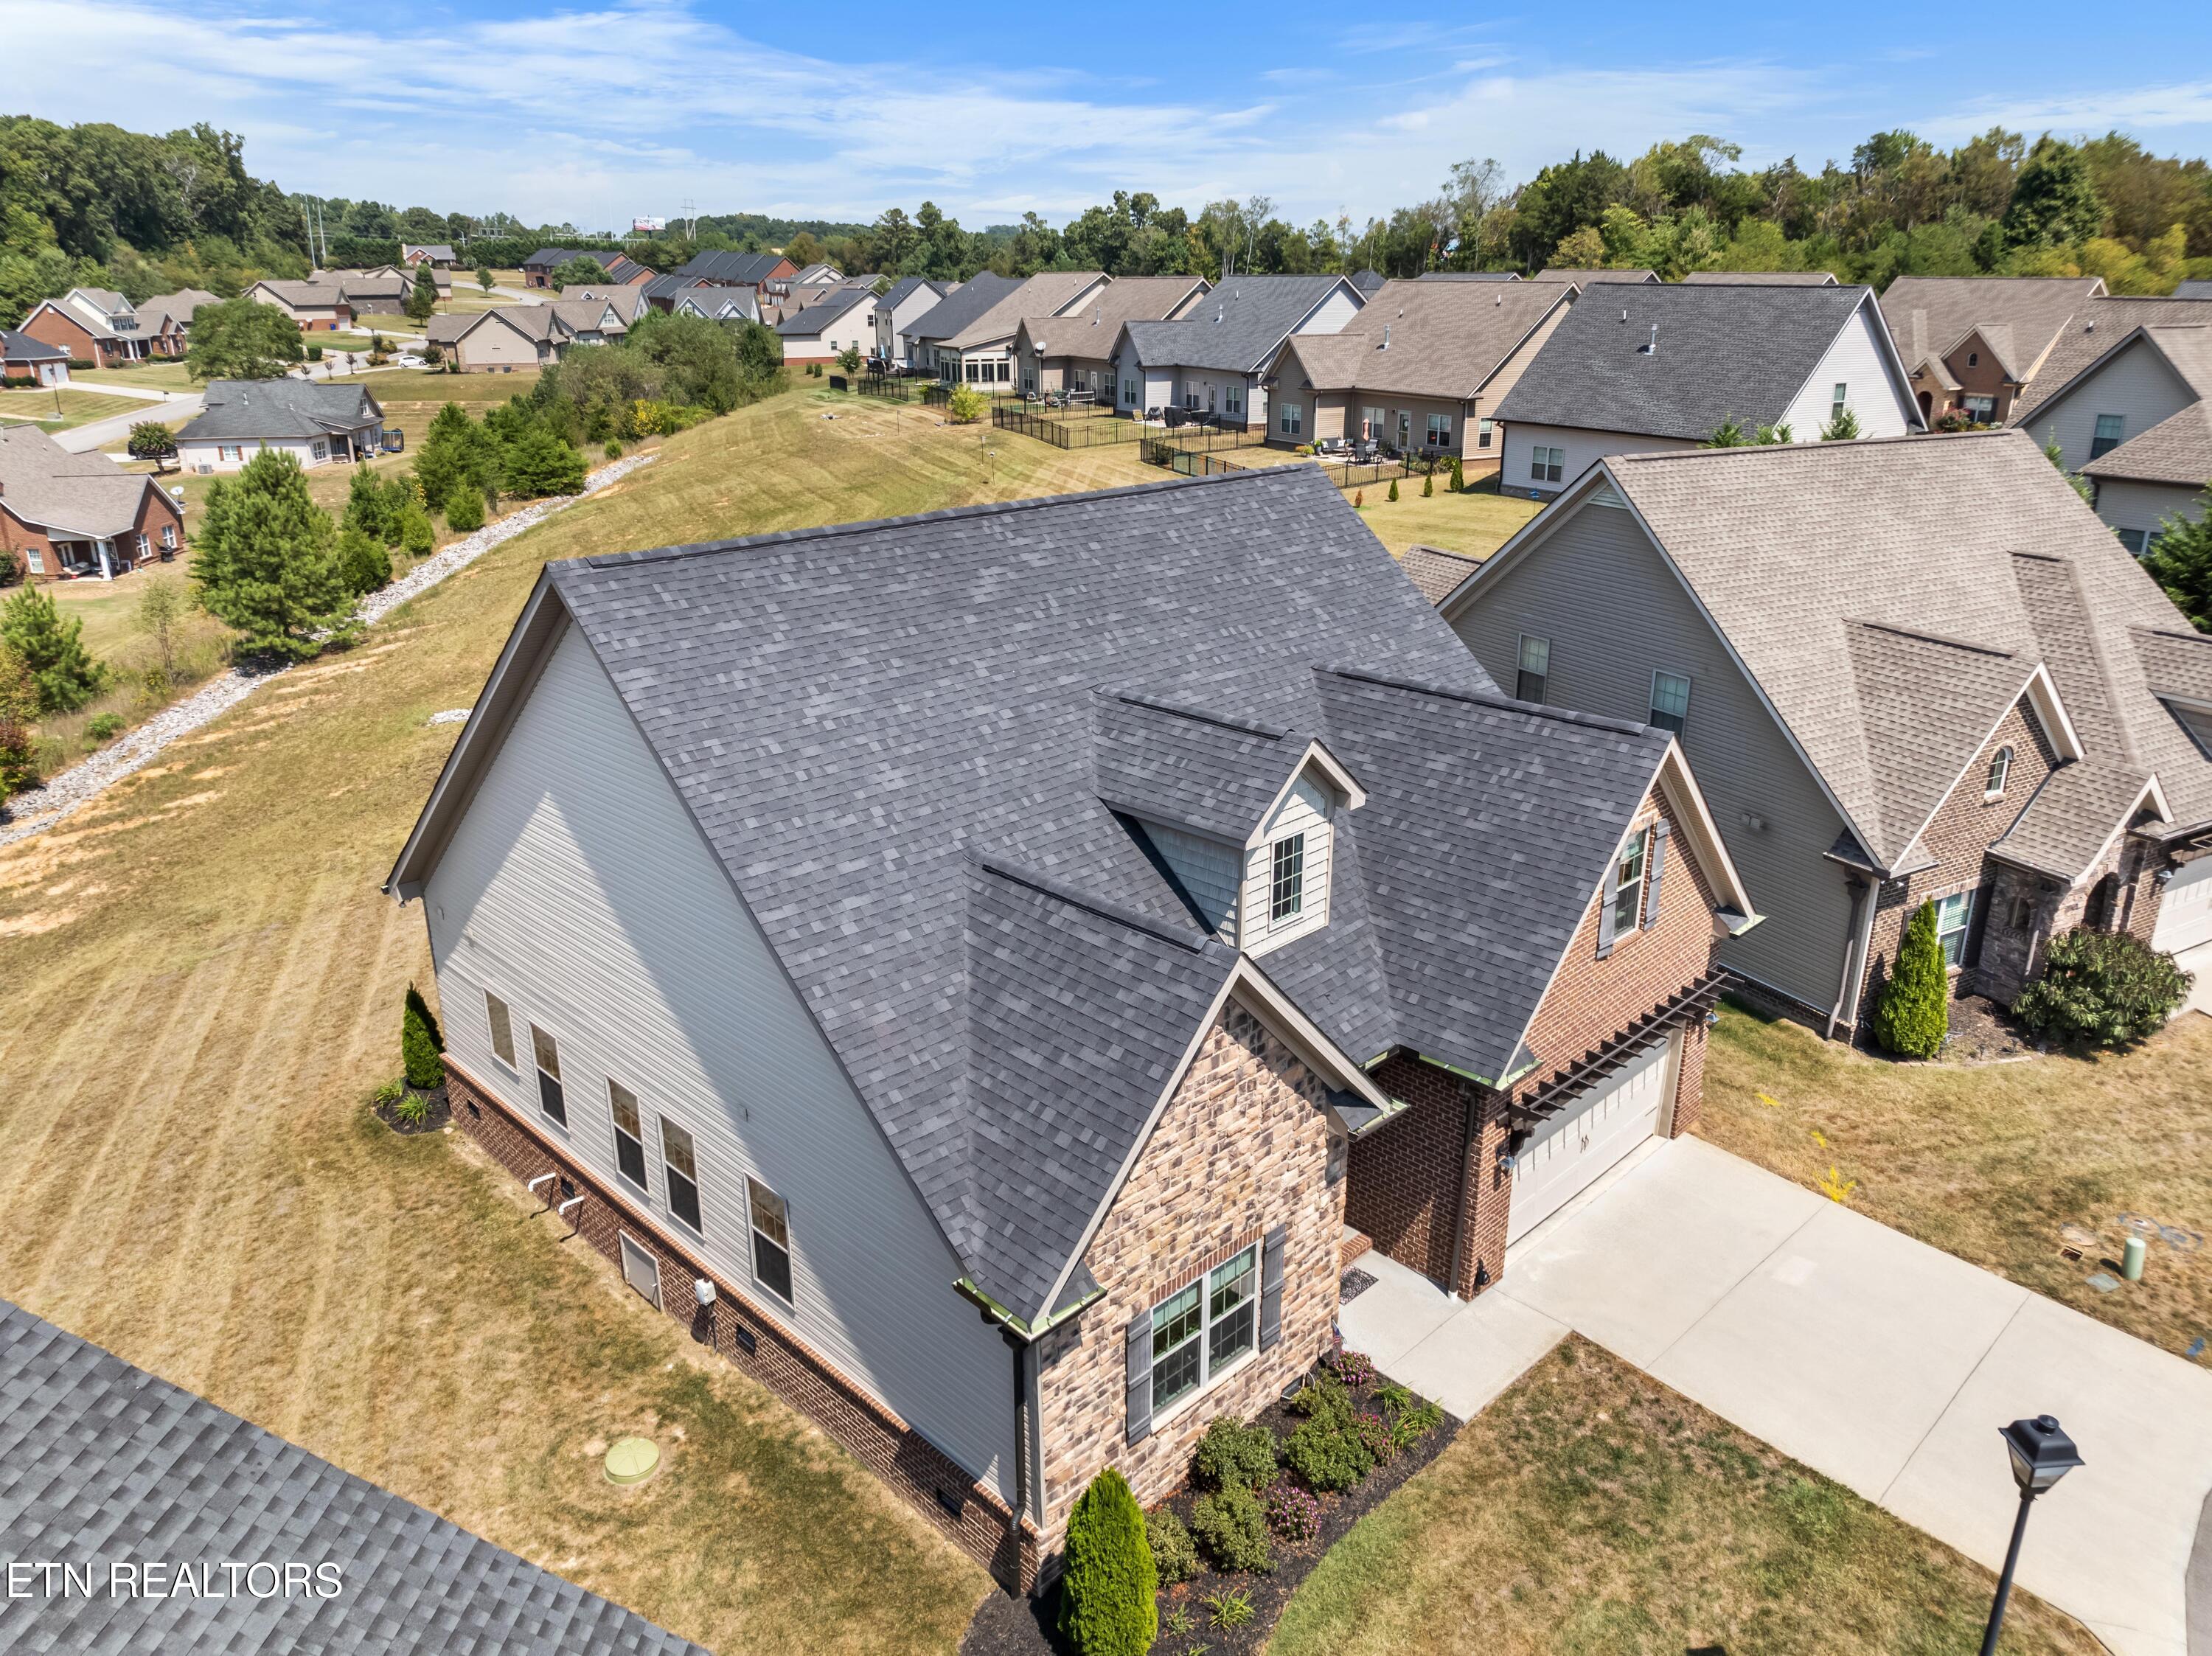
374 292
169 316
1367 281
99 327
816 276
969 336
22 357
319 306
251 1545
1422 368
2193 289
1905 671
843 319
903 304
729 270
317 422
1074 352
661 293
1007 1080
1973 344
1366 287
1661 366
626 301
720 304
69 517
1768 278
538 270
2137 422
512 336
436 254
1213 361
1591 278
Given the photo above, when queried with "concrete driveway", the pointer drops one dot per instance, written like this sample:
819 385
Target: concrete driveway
1882 1362
114 431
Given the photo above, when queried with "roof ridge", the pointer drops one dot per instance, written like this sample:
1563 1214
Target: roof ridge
1044 885
1929 638
1807 450
949 515
1136 700
1537 709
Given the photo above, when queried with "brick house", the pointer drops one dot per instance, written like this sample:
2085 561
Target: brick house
100 327
72 517
538 270
2019 731
26 359
1973 345
986 1010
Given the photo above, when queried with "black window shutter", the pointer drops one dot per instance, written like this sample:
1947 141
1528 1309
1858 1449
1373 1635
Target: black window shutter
1140 1376
1271 1286
1605 899
1658 866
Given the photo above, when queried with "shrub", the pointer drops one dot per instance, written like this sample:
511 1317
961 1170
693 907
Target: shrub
418 1047
414 1003
1232 1527
614 448
1175 1555
1323 1399
18 705
1413 1425
1843 426
2101 989
1232 1453
1328 1455
314 353
1292 1513
541 462
1394 488
1392 1399
1232 1609
1109 1596
388 1093
413 1108
1429 484
1354 1368
363 564
1375 1437
417 534
104 727
966 406
465 508
1458 475
51 648
1915 1012
151 440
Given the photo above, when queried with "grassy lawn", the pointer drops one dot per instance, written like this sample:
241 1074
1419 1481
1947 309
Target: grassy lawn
1477 522
1996 1163
1590 1510
203 983
77 407
161 374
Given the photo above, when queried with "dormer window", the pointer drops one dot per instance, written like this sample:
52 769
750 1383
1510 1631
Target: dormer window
1287 886
2000 774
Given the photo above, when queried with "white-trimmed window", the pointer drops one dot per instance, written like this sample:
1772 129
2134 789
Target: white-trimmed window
1952 913
2000 774
502 1027
679 1164
545 1055
771 1240
1484 430
169 536
1198 1332
629 1132
1440 430
1626 895
1290 418
1232 397
37 559
1838 400
1286 879
229 452
320 448
1546 465
1982 409
2111 432
2137 540
1670 700
1532 670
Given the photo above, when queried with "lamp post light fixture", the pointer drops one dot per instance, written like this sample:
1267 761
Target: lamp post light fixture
2041 1455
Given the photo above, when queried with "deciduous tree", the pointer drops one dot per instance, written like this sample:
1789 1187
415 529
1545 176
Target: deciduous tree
242 339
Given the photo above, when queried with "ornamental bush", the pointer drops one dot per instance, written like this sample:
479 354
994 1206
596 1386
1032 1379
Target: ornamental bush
417 534
363 564
1109 1596
1914 1014
1175 1555
1429 484
1327 1454
2101 989
1394 488
418 1043
1323 1399
1232 1527
1354 1368
51 646
1292 1513
966 406
1375 1437
1232 1453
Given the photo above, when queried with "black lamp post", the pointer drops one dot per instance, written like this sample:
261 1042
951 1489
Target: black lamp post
2041 1455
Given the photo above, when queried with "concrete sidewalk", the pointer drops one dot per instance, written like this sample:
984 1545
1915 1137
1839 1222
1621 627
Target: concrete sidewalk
1882 1362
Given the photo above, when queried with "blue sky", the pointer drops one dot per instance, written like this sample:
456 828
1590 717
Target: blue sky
595 113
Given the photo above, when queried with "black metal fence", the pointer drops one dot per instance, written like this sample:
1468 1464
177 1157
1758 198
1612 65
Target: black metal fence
1357 474
884 386
937 393
1082 431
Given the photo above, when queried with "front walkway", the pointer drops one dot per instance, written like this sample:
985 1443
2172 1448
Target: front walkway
1881 1361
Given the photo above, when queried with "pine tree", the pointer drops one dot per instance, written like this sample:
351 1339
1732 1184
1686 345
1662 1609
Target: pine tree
1110 1595
366 508
264 562
362 562
2180 561
423 297
419 1046
541 462
456 449
1915 1013
51 648
465 509
18 705
1429 484
418 536
1394 488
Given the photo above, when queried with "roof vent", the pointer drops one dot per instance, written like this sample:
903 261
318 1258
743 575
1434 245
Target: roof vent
1386 336
1624 316
1652 349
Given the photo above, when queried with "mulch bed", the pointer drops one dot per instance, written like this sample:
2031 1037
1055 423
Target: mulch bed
1981 1032
1024 1624
442 1111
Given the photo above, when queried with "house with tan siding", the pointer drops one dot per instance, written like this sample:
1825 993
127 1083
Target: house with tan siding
2018 730
318 306
968 336
1056 354
511 337
1025 1135
1210 362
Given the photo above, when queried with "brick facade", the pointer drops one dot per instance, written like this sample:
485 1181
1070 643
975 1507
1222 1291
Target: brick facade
1412 1179
1243 1146
971 1516
156 511
52 326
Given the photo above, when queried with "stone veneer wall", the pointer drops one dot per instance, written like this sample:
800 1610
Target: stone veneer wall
972 1517
1243 1146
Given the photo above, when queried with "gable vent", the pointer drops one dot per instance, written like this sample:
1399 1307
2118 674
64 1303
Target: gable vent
1606 494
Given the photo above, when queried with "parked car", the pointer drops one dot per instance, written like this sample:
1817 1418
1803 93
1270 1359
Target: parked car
409 360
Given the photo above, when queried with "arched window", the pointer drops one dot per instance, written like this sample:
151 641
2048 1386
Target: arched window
2000 774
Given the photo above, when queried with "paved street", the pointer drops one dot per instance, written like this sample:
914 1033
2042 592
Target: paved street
1881 1361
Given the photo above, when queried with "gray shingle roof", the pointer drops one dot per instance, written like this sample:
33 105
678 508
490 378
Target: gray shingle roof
820 314
1599 278
21 348
1443 276
42 483
103 1463
719 265
1236 328
280 408
1722 353
1422 339
904 289
2193 289
956 311
1188 769
1757 278
988 308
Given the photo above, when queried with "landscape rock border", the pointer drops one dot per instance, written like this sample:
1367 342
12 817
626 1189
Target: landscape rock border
36 810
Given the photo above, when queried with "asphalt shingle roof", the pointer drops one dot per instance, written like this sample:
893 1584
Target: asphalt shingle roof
904 289
2019 316
1443 338
988 308
1761 278
43 483
102 1463
1237 327
1607 278
280 408
1435 571
21 348
2193 289
1722 353
730 268
812 318
1092 328
2178 448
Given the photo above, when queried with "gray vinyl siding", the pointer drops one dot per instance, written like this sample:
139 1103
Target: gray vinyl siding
1614 613
2135 385
1209 870
1304 810
1585 446
1333 315
2144 505
578 890
1857 361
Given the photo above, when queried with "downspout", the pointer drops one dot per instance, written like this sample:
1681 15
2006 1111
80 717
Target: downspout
1857 939
1471 1133
1020 1503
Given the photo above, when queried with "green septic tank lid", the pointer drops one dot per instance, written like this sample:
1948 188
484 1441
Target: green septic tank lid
632 1460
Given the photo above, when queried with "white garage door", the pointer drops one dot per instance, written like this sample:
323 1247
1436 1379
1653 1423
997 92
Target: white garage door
2184 912
1589 1135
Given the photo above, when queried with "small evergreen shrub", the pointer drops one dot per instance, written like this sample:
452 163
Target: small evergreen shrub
1327 1455
104 727
1429 484
1323 1399
1232 1527
419 1044
614 448
1394 488
2101 989
1292 1512
1109 1596
314 353
1174 1555
1232 1453
417 534
363 564
465 509
1915 1012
